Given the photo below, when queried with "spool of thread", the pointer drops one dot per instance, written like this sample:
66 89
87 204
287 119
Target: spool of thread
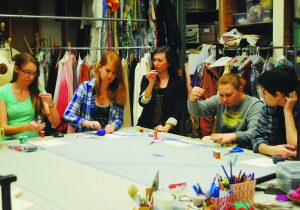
23 139
101 132
217 154
155 134
42 134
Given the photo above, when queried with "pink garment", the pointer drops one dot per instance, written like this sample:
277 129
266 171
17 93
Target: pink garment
63 94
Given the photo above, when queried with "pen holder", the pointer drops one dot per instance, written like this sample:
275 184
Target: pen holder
243 191
224 201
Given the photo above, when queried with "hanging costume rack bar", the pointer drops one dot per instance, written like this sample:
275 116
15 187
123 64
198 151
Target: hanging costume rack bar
93 48
66 18
262 48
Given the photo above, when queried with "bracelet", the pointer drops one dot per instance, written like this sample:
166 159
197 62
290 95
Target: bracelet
50 107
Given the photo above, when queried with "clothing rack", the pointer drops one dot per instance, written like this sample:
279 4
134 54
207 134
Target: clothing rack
93 48
67 18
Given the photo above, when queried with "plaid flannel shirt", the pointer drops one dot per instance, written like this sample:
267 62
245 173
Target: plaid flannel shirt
82 108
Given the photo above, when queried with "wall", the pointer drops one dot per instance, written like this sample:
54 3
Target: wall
278 28
49 27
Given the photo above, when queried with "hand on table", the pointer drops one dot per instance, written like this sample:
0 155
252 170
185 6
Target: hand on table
223 138
95 125
110 128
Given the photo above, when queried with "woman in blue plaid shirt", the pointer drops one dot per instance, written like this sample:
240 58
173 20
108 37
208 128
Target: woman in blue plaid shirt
99 103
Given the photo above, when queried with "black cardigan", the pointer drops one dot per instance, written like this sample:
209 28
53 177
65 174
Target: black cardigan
173 103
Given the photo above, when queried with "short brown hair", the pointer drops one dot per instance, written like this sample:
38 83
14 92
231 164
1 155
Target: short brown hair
233 79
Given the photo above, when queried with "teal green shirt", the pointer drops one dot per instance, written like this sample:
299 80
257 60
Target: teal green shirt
18 113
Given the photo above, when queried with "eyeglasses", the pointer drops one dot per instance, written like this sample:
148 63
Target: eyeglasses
28 73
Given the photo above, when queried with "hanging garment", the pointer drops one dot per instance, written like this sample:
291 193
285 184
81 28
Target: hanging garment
133 64
204 125
167 27
127 116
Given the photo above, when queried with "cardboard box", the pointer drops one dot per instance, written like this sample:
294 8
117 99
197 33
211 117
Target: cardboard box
192 33
207 33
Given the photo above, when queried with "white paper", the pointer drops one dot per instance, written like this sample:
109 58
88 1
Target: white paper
48 143
176 143
260 162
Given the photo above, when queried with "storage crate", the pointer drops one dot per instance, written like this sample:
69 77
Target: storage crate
288 175
258 13
192 33
198 5
208 33
296 33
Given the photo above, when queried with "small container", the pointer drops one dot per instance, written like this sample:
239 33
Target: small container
240 18
155 134
23 139
288 175
42 134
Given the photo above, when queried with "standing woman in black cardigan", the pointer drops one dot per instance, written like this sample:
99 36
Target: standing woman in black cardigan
162 93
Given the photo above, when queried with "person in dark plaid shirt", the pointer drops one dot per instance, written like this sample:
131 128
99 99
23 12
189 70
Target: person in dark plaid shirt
99 103
276 132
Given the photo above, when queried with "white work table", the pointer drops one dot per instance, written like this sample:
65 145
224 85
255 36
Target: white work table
84 171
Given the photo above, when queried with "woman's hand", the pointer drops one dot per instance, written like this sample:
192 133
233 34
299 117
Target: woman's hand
35 127
110 128
47 98
196 93
151 76
95 125
165 128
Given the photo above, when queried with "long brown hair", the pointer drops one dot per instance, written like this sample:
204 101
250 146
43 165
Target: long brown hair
20 60
116 89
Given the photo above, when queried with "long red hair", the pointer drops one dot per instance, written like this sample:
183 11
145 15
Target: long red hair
117 89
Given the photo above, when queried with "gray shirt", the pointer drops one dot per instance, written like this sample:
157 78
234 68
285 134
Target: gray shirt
240 119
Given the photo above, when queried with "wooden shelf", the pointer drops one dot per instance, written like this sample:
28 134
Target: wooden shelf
264 24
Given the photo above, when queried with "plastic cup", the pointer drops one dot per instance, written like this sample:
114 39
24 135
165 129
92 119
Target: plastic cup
162 200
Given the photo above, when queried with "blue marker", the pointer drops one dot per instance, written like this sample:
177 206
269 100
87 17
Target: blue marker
195 188
226 174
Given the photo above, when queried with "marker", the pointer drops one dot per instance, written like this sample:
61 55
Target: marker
226 173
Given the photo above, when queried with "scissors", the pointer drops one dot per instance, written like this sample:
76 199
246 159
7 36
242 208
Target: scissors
234 150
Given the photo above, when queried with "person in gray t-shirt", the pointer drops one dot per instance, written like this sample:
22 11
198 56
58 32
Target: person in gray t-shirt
235 113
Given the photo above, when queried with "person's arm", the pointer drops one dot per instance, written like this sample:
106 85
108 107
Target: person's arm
262 132
15 129
286 150
146 90
203 108
116 115
53 115
72 114
290 127
245 137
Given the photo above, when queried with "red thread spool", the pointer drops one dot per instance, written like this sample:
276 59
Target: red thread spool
155 134
42 134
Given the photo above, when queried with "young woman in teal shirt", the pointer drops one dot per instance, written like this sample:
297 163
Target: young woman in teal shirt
21 102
